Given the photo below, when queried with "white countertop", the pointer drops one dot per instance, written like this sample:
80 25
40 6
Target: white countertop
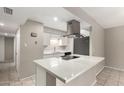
67 70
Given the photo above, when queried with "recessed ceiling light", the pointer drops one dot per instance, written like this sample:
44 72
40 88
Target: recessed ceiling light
55 18
1 24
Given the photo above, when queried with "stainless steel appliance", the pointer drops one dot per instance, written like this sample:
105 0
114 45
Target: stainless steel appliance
81 43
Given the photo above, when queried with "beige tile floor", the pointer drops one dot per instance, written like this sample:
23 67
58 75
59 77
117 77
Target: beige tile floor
110 77
9 77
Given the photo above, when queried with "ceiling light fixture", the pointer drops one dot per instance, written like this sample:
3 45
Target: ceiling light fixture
1 24
6 34
55 18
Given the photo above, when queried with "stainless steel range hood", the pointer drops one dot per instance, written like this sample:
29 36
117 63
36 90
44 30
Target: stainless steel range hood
73 28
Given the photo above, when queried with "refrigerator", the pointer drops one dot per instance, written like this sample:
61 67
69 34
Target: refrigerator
81 46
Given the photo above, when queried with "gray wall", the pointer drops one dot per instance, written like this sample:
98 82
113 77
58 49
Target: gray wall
9 49
114 47
97 34
2 46
30 51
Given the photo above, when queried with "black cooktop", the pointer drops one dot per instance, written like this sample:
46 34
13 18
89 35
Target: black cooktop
69 57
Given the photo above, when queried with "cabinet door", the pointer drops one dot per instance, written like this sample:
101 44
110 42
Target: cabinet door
64 41
46 39
55 36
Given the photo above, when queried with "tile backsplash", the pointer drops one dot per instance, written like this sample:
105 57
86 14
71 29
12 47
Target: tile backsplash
50 49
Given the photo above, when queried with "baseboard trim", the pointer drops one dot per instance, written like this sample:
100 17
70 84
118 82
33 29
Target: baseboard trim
94 82
27 77
100 70
114 68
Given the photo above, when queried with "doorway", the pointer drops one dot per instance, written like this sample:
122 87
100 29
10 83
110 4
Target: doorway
8 72
9 49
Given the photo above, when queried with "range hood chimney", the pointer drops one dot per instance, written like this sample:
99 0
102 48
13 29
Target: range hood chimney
73 28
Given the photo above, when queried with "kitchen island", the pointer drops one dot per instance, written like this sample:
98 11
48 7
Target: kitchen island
58 71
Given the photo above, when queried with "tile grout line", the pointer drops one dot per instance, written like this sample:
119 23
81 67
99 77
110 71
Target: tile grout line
119 78
9 74
107 79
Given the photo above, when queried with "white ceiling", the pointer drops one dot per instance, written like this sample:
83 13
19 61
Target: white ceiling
107 17
44 15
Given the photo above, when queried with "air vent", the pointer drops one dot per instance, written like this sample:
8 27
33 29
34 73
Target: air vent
8 11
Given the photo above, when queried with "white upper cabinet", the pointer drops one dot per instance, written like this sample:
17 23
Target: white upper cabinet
62 41
55 36
46 39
